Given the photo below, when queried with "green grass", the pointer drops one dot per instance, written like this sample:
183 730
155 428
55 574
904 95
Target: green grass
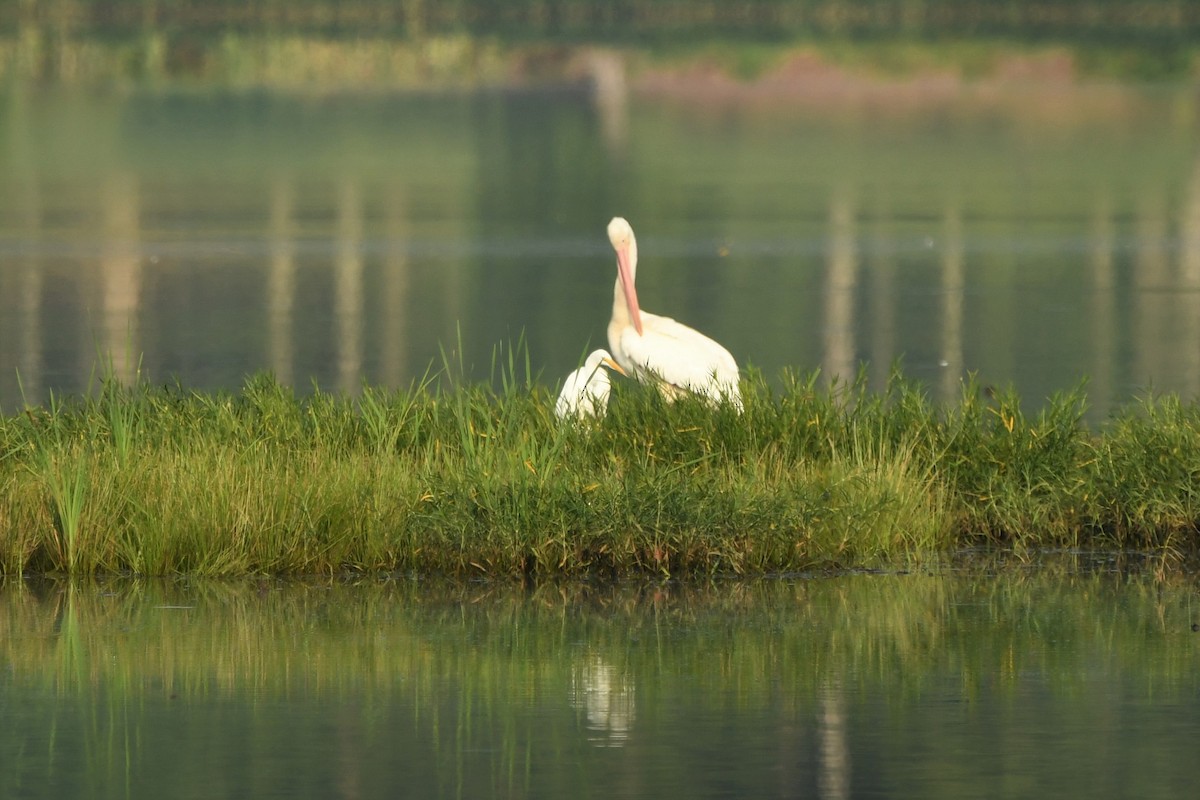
461 479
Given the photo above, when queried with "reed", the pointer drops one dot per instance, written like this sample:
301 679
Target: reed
456 478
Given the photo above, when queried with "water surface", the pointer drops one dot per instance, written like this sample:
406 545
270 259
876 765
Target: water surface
1033 233
1071 679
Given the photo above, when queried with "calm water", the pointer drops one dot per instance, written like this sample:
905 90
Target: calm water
1035 234
1054 681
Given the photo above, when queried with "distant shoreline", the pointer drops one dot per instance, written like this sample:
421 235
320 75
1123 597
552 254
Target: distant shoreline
376 46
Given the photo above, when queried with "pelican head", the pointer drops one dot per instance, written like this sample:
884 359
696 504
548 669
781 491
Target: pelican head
620 234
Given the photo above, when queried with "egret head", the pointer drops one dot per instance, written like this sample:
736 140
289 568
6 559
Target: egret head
602 358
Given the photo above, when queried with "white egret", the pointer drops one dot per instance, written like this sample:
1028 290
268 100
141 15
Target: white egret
585 391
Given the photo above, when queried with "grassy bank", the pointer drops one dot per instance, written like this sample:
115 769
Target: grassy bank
477 480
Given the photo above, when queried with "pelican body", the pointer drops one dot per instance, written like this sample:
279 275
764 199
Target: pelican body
655 349
585 391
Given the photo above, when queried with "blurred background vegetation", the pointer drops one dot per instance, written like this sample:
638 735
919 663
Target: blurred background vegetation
370 43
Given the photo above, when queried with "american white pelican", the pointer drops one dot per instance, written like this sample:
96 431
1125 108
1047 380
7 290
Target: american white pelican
585 392
679 359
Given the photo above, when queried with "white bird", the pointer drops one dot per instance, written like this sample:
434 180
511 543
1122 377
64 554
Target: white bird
679 359
585 391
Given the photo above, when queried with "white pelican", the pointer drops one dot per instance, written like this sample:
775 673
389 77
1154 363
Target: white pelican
585 392
679 359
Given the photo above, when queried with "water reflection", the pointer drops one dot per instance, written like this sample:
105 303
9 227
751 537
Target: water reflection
1104 291
1190 231
396 368
358 240
121 274
607 698
281 280
834 778
1164 308
833 687
841 281
953 286
348 288
610 96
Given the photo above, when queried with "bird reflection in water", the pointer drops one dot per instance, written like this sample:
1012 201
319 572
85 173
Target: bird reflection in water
606 698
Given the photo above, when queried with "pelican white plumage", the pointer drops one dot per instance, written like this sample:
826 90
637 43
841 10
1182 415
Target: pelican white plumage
678 359
585 391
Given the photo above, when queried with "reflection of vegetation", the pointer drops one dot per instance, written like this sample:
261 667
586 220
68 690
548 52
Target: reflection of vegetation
475 481
476 684
375 42
1030 174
